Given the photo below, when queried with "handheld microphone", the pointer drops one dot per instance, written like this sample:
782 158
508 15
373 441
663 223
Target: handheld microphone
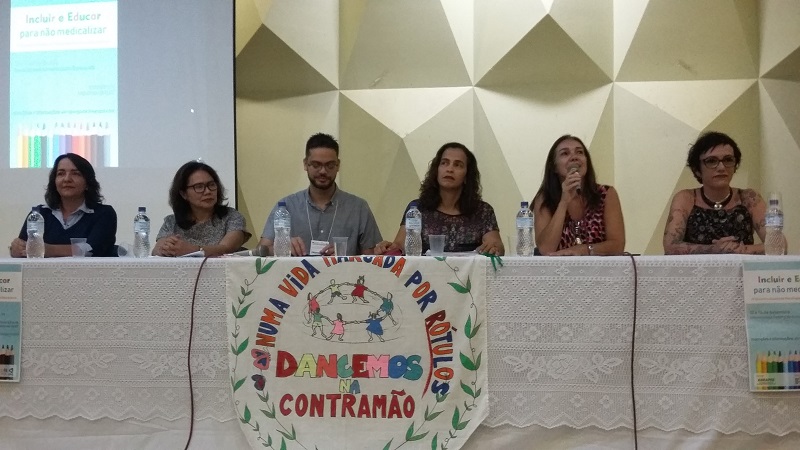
573 169
260 250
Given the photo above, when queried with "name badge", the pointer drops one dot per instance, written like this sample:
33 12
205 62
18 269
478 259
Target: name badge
316 247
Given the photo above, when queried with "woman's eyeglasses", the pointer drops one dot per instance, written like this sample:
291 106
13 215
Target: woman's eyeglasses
713 162
201 187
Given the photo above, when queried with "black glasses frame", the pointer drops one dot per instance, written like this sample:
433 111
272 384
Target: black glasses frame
712 162
201 187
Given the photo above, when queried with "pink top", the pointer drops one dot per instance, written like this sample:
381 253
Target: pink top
338 327
592 227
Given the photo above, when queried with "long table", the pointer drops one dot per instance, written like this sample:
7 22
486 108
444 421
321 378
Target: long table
105 340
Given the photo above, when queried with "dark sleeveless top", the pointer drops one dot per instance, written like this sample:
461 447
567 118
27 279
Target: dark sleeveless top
592 227
704 224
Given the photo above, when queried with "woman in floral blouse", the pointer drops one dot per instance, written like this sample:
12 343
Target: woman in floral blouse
451 204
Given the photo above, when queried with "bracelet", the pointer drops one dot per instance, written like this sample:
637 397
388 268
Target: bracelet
591 249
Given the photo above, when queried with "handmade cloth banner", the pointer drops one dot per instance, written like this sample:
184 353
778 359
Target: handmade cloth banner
358 352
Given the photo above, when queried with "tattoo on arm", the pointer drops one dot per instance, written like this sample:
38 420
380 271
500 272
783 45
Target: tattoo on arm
675 233
678 219
748 198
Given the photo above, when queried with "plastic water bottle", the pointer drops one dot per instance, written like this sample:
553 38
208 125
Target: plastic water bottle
34 246
774 241
524 230
413 242
141 234
283 231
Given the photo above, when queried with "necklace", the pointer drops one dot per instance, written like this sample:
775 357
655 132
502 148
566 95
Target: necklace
716 205
578 232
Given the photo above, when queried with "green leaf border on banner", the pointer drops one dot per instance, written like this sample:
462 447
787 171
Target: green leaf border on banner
470 362
237 348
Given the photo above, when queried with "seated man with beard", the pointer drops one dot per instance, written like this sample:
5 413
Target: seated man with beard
323 210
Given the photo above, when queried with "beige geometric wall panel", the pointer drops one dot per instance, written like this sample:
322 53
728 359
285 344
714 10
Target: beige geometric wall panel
350 17
461 17
590 25
315 38
627 17
780 37
602 144
248 21
783 96
547 54
499 26
693 40
695 103
403 44
637 80
267 68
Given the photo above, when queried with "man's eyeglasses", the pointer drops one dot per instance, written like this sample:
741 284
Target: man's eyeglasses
201 187
329 166
713 162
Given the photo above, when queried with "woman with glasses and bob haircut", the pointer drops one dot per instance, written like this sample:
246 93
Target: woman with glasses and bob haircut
715 218
201 221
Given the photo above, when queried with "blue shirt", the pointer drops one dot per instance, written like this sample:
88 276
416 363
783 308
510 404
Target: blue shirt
97 224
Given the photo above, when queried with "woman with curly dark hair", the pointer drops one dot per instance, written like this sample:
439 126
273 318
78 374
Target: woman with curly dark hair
573 214
451 204
201 221
74 209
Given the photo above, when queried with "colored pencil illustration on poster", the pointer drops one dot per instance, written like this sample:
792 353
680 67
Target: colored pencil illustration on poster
774 370
772 302
380 343
10 321
38 145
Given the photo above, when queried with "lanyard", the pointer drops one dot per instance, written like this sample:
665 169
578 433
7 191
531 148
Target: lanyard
308 216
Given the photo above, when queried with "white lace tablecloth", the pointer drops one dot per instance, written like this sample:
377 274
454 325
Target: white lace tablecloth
560 340
106 339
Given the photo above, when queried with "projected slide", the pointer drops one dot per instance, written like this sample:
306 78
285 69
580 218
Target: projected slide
63 82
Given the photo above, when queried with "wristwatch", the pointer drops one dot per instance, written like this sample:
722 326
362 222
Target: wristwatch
591 249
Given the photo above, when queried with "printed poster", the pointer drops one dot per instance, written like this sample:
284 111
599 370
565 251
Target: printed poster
362 352
10 321
772 302
63 82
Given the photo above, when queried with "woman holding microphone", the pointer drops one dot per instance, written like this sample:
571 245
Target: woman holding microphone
573 215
